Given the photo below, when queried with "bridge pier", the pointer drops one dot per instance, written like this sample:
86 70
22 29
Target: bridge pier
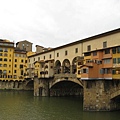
96 96
36 86
101 95
41 87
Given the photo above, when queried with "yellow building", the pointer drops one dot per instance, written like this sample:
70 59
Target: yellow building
19 64
116 62
13 62
6 59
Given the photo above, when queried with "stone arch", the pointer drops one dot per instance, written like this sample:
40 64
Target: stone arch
115 94
66 66
66 87
57 67
29 85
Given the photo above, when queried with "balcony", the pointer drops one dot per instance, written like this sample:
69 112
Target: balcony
116 65
116 76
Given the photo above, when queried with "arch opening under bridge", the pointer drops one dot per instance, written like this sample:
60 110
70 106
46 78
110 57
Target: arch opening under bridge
65 87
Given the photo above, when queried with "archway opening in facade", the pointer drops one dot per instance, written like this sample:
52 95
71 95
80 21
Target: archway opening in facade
66 88
75 62
66 66
57 67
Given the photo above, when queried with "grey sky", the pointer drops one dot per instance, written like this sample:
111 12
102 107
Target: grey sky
53 23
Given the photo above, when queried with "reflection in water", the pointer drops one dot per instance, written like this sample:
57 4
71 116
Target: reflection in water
21 105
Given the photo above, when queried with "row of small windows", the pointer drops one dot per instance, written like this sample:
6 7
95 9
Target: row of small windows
4 50
106 51
104 46
20 55
5 72
50 56
5 59
5 54
102 71
9 76
5 44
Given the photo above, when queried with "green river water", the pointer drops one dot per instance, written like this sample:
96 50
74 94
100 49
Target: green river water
22 105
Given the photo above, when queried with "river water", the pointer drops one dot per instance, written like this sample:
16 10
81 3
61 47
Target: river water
22 105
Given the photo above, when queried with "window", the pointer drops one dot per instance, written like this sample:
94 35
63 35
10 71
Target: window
1 50
29 60
101 71
4 71
0 54
21 66
0 65
15 65
15 71
0 59
16 55
25 61
76 50
50 55
38 58
0 71
5 54
5 59
95 53
34 59
79 72
113 50
9 76
22 61
87 54
105 44
106 61
5 65
5 50
118 49
114 60
88 47
15 60
9 71
21 72
107 51
113 71
118 60
15 76
85 70
57 54
66 52
9 60
44 57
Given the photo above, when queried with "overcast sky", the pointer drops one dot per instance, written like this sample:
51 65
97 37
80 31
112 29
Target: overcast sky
52 23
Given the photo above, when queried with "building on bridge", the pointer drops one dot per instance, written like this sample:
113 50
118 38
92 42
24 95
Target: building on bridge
92 63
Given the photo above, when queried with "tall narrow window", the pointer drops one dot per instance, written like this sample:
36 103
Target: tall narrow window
66 52
76 50
50 55
38 58
118 49
95 53
114 50
114 60
107 51
89 48
105 44
57 54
